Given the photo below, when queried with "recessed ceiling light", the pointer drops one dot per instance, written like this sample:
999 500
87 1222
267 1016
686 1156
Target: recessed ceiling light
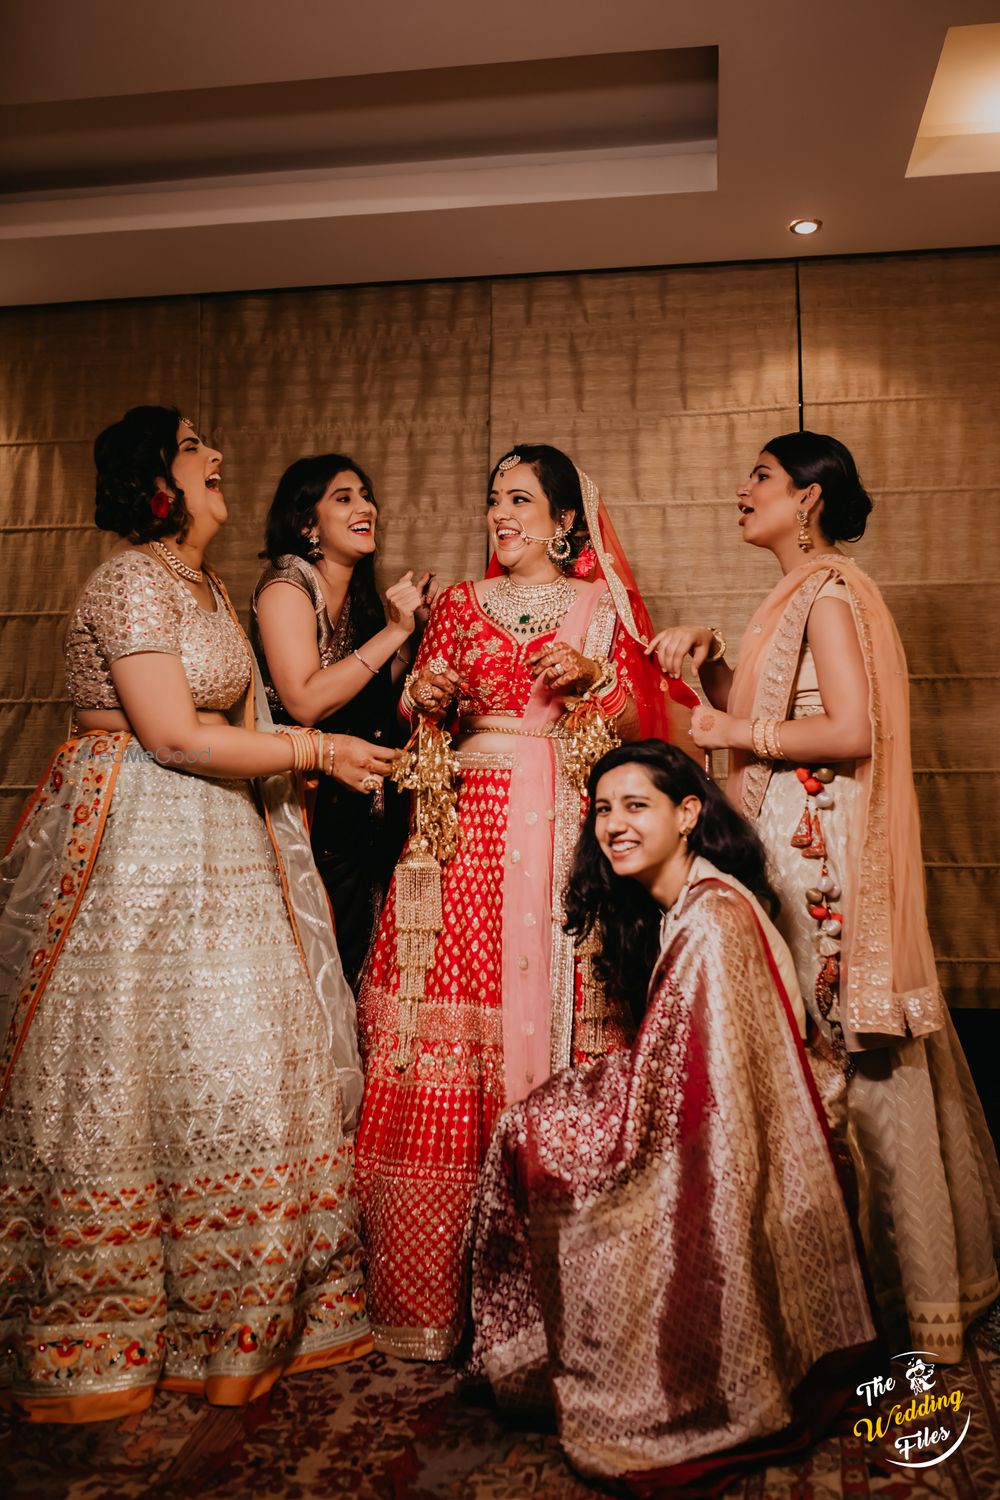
805 226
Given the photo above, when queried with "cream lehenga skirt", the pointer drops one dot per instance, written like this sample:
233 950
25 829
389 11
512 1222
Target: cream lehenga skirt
928 1184
176 1200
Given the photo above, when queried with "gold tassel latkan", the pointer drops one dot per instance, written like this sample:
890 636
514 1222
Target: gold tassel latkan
590 1036
586 735
425 768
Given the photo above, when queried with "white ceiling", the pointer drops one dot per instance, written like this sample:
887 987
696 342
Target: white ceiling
209 146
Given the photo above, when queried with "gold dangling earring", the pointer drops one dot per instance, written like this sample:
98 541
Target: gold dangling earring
804 539
559 547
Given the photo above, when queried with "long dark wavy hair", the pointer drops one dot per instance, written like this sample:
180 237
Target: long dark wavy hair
621 912
293 512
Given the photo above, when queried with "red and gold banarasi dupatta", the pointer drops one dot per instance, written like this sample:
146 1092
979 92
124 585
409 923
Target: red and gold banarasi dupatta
662 1254
889 984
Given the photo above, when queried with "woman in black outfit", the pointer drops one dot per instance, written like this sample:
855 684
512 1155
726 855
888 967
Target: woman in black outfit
333 656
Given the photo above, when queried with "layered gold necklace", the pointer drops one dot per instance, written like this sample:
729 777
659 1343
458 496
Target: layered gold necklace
529 609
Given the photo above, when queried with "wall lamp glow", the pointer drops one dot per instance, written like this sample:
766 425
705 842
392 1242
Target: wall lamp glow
805 226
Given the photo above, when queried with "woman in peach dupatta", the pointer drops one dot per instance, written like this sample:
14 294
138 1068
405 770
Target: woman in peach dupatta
505 1001
816 719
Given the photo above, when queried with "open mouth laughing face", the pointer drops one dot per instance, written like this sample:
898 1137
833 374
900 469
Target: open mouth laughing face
346 518
195 471
637 826
517 508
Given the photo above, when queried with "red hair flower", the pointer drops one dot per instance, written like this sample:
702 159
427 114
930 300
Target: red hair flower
585 564
160 505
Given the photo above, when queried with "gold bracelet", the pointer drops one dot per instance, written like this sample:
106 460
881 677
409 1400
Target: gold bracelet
718 651
776 737
769 742
372 670
606 680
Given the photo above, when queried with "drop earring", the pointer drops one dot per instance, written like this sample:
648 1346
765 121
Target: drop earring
314 552
805 541
558 548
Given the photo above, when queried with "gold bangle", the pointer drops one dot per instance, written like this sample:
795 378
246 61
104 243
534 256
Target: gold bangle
718 651
756 740
372 670
605 682
776 738
303 752
769 745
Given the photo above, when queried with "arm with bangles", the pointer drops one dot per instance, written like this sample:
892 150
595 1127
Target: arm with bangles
156 701
606 683
841 732
627 724
706 647
309 691
433 684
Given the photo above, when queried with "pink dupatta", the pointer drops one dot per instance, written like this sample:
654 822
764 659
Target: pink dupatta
543 818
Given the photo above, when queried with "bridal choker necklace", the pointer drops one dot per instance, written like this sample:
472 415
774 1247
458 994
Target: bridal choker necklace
529 609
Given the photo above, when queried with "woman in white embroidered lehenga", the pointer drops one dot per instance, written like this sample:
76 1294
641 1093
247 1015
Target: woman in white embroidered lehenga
179 1063
816 719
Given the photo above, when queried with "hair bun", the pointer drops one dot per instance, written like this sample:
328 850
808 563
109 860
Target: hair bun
816 458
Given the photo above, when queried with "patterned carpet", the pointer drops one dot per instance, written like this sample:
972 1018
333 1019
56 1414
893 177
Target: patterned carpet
378 1429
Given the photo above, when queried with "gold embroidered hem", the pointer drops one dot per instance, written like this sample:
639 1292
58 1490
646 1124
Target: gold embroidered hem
218 1390
416 1343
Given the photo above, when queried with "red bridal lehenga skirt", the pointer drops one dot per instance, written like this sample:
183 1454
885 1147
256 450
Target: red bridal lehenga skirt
425 1128
176 1200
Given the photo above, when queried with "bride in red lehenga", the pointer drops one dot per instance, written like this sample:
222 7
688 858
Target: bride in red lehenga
506 1000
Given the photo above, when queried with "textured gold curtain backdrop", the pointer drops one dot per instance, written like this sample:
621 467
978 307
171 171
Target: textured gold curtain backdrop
662 384
901 359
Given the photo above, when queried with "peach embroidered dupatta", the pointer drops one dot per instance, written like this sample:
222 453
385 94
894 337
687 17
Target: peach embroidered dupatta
889 986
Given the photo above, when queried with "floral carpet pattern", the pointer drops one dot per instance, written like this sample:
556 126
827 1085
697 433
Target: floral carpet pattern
381 1429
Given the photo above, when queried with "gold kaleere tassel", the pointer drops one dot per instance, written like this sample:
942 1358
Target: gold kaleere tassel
589 1036
426 769
586 735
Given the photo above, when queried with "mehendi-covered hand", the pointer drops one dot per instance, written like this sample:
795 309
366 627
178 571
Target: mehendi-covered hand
563 669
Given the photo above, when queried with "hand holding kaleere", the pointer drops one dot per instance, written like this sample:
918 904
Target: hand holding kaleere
425 768
352 761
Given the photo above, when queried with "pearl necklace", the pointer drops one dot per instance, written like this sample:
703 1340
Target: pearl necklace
529 609
176 564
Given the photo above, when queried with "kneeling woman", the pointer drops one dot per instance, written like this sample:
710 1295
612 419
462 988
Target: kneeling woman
662 1251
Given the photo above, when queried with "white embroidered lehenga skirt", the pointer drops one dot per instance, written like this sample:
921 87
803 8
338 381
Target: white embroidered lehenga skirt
176 1200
